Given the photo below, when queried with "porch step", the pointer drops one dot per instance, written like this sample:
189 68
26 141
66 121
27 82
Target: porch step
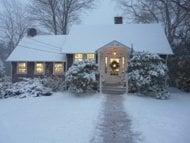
107 89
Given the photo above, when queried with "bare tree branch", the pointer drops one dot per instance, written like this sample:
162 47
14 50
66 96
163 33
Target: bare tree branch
58 15
14 22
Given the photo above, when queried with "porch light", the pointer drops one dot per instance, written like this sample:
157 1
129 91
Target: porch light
114 53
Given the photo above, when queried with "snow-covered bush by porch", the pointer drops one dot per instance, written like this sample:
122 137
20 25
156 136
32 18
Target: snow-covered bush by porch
81 77
24 88
147 74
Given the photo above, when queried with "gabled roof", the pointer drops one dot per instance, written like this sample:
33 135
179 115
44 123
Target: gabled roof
87 39
39 48
142 37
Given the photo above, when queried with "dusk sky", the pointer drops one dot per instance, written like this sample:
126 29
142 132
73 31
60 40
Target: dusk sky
103 13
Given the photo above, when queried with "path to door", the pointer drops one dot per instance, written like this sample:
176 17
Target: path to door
116 125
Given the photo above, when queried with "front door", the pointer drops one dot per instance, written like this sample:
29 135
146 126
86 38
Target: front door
114 68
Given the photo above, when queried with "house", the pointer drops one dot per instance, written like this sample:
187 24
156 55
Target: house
109 46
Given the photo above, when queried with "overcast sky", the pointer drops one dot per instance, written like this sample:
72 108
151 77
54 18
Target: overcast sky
103 13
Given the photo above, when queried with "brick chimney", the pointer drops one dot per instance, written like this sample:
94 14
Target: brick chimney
31 32
118 20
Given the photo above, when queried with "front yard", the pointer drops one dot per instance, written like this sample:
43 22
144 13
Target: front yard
56 119
160 121
63 118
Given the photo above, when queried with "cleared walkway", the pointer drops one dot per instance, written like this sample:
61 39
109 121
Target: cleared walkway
116 125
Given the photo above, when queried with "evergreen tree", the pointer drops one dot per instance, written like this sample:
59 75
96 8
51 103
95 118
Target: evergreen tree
82 77
148 75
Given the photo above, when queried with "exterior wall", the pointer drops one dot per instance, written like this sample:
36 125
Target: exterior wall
96 55
69 61
30 71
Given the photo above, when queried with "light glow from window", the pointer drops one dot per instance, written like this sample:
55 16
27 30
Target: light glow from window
78 57
39 68
58 68
90 57
22 68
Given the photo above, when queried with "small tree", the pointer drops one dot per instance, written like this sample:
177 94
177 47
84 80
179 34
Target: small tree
148 75
81 77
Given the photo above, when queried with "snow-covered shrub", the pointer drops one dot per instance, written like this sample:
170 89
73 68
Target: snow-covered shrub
81 77
55 83
5 83
147 74
25 88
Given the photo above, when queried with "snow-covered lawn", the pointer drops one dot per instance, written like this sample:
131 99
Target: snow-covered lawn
158 121
56 119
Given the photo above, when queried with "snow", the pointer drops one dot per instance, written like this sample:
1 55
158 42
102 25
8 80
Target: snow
55 119
159 121
143 37
39 48
88 39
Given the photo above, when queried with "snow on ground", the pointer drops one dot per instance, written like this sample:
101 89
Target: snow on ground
56 119
161 121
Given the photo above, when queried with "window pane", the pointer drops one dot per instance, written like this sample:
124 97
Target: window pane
39 68
90 56
78 57
21 68
58 68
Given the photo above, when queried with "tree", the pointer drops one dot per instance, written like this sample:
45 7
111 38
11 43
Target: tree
58 15
147 74
14 22
173 14
82 77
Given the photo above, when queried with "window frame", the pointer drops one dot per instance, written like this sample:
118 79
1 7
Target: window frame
44 66
54 73
17 66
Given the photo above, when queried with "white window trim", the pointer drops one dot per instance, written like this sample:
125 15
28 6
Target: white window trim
35 68
54 68
17 71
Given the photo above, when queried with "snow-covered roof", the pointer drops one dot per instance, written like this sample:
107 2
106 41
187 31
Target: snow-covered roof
143 37
87 39
39 48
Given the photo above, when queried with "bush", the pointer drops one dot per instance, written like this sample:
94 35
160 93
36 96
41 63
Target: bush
147 74
5 83
55 83
179 71
27 87
81 77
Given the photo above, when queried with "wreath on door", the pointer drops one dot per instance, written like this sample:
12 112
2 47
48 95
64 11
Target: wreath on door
114 65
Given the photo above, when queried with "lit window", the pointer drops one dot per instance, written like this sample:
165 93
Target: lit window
58 68
22 68
90 57
39 68
78 57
